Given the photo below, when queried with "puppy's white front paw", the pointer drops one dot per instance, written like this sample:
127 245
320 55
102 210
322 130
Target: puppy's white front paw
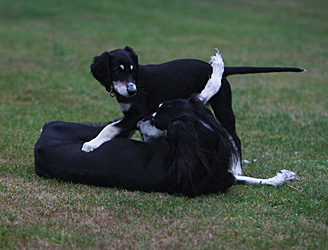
90 146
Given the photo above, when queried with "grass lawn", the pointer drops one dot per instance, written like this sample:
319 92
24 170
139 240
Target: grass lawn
46 48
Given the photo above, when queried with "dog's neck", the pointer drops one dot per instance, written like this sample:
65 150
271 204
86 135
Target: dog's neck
119 97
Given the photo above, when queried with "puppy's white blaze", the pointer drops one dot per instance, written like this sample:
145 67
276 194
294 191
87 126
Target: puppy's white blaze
108 133
213 85
124 107
122 67
282 177
120 87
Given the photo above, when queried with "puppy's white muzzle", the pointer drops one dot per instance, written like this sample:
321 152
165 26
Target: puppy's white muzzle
125 89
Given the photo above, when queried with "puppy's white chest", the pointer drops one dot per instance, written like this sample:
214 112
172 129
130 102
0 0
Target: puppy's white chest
124 107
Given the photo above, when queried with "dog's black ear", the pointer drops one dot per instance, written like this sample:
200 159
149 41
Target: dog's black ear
133 55
188 161
100 69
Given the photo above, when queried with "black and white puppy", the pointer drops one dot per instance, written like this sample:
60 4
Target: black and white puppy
139 89
193 158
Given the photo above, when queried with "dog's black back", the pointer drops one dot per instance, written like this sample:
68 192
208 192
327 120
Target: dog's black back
169 80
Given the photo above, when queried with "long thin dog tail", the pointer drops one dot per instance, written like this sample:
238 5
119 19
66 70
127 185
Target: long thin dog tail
228 71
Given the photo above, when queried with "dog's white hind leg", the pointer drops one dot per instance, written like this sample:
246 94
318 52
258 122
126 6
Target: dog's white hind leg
281 177
108 133
236 165
236 161
213 85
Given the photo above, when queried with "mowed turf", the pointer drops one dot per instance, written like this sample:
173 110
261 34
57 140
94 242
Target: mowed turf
46 48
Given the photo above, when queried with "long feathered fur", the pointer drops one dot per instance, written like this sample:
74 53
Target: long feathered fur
199 147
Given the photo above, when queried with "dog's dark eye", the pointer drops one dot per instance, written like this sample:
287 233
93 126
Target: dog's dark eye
133 68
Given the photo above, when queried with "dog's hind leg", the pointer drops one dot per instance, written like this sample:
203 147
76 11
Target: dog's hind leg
221 104
213 85
224 109
236 168
281 177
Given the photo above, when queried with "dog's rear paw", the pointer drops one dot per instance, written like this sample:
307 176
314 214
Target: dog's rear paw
283 176
287 175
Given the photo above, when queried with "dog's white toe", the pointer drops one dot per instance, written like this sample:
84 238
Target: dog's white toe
217 61
88 147
287 175
283 176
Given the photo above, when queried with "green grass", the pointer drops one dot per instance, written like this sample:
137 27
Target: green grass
46 48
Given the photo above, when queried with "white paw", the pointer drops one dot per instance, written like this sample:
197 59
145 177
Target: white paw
283 176
213 84
90 146
216 62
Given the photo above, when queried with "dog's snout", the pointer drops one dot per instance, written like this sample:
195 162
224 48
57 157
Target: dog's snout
131 88
147 120
132 92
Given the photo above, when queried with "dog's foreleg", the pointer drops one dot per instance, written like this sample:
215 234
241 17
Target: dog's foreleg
108 133
213 85
281 177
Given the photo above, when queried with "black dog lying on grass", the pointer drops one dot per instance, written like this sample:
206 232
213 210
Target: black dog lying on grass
192 156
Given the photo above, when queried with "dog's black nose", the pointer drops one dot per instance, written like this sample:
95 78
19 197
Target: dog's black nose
131 88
